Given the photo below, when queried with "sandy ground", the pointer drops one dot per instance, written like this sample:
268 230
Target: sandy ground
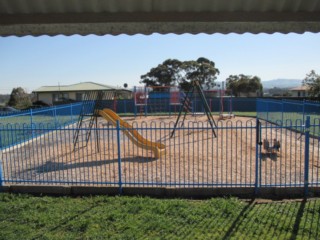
193 155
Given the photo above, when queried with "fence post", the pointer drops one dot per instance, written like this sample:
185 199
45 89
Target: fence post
1 174
71 112
303 109
258 144
31 122
306 156
119 157
267 111
282 109
1 171
134 101
124 104
55 117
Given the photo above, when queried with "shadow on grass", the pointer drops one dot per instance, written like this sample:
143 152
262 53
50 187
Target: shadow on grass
256 220
237 222
286 220
65 221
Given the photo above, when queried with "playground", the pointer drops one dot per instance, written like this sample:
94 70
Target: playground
192 157
181 149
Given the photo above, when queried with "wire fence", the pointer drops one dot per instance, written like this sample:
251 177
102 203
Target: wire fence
237 157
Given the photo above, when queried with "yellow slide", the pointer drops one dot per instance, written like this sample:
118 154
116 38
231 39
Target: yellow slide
158 148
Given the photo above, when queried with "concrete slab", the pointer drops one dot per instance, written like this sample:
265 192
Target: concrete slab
41 190
85 191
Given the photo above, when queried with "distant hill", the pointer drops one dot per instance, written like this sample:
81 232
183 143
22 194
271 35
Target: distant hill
282 83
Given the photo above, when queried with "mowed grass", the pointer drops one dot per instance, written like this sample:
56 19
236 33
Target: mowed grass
103 217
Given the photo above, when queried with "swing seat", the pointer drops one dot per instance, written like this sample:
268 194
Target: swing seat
226 116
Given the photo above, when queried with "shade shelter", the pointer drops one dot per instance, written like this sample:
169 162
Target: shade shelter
101 17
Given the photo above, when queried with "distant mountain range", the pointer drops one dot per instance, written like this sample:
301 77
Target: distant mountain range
282 83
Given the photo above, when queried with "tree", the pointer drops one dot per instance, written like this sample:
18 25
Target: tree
312 81
165 74
202 70
173 72
19 98
243 84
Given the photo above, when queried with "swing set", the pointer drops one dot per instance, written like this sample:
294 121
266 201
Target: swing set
186 105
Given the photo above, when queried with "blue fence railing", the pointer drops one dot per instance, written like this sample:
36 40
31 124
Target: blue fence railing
26 123
286 110
163 105
238 157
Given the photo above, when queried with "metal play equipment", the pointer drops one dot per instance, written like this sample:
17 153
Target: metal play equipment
195 86
156 100
92 102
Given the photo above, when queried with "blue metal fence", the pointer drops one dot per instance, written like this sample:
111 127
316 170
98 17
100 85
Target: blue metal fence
162 105
283 110
26 122
237 157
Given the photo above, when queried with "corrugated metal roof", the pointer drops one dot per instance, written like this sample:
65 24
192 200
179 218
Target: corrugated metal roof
116 6
53 17
84 86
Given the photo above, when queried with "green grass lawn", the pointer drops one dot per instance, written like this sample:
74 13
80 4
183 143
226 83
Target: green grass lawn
245 114
103 217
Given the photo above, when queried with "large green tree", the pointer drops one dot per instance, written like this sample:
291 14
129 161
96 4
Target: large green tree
202 70
165 74
312 81
243 84
173 72
19 98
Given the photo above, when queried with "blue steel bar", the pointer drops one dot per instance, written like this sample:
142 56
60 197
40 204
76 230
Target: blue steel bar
258 157
31 123
119 156
1 172
306 152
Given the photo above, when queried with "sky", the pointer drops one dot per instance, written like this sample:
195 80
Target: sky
32 62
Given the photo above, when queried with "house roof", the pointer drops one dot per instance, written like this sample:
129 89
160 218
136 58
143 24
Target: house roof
100 17
300 88
83 86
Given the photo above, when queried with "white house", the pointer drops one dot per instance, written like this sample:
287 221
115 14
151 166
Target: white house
301 91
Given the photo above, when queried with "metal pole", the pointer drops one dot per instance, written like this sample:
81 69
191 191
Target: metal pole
31 122
258 144
145 102
303 109
71 112
1 174
134 101
119 157
306 156
183 107
282 110
1 169
55 117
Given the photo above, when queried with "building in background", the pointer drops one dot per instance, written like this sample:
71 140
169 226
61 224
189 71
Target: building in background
301 91
54 95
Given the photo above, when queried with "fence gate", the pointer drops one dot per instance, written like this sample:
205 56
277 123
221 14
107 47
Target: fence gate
283 151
